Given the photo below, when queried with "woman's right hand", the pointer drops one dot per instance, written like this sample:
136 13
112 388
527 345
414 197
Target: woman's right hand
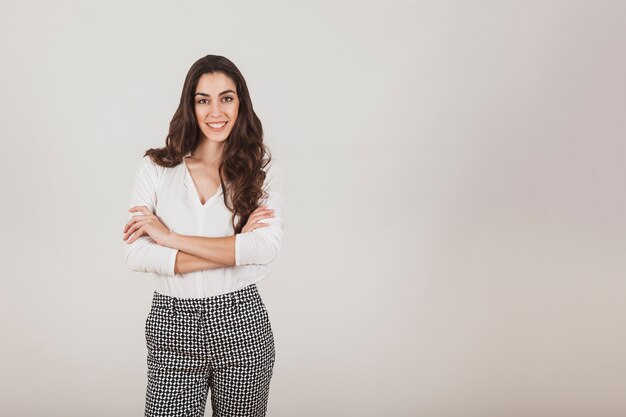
261 212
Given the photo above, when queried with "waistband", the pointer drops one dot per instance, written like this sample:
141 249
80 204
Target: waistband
228 300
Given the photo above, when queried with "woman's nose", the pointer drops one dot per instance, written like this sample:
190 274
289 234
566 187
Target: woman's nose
215 109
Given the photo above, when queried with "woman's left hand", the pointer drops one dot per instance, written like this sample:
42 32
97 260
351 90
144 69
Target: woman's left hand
145 224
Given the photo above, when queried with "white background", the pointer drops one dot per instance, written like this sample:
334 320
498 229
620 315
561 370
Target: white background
454 229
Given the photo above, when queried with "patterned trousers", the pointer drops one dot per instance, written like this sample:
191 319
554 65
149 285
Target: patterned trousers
222 343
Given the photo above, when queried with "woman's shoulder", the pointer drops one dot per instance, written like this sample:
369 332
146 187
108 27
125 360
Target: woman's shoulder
149 163
149 168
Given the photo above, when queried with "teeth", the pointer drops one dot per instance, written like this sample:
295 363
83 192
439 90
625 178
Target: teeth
216 125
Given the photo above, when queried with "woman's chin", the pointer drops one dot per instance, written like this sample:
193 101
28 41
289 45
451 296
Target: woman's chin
215 137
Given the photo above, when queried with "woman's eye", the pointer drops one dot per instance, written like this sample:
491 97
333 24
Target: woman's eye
228 99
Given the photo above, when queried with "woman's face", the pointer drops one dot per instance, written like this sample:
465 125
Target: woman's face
216 105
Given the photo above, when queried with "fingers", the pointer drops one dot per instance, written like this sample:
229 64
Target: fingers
258 217
136 236
138 213
254 226
142 209
129 232
132 220
131 227
261 213
255 223
128 224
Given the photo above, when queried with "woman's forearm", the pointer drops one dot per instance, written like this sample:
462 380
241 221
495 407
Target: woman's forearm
187 262
217 250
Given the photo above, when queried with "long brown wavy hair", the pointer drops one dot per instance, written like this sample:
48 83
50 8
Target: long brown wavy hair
241 167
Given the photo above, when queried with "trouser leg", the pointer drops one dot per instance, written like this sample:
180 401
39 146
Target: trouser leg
243 361
177 364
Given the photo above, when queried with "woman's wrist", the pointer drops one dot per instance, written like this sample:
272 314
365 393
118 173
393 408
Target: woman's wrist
170 240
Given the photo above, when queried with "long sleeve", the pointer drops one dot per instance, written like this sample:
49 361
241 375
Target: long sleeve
144 254
261 245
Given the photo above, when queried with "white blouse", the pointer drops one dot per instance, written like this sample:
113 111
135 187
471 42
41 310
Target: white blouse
171 194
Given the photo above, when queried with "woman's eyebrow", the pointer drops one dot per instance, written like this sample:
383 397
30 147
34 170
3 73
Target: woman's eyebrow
221 94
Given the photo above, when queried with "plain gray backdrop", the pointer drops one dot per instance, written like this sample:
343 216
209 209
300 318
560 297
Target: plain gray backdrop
455 185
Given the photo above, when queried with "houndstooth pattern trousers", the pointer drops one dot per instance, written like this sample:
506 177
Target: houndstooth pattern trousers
222 344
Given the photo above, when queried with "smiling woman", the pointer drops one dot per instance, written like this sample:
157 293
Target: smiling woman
206 220
216 112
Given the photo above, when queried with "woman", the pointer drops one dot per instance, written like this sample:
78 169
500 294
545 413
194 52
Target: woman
206 219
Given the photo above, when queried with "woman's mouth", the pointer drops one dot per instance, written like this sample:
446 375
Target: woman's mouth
217 127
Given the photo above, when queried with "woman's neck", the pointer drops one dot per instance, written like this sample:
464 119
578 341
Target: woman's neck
210 153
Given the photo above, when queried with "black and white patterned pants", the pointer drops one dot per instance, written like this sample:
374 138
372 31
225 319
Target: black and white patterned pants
223 343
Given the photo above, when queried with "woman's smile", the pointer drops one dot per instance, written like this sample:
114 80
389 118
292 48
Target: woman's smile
217 127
